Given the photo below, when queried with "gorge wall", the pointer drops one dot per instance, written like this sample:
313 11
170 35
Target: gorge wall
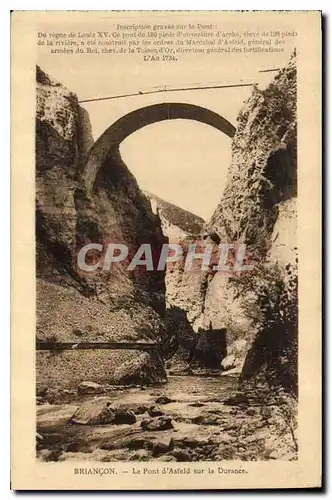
258 310
187 350
102 306
258 208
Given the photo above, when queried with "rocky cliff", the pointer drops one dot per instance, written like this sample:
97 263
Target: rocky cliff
188 347
177 224
73 306
257 310
258 208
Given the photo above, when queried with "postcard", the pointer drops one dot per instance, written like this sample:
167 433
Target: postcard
166 243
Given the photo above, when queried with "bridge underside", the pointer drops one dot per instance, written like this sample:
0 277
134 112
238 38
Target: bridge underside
142 117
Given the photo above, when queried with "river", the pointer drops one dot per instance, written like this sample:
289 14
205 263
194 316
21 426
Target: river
196 419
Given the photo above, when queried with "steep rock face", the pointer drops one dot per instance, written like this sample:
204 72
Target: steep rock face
263 169
176 223
72 305
283 247
189 346
258 208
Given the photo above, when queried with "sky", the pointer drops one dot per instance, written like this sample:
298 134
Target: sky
181 161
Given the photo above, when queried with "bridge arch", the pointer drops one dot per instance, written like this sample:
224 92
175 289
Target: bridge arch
138 119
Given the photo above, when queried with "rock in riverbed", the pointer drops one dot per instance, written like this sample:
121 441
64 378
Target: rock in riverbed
89 388
181 456
238 399
228 363
157 424
164 400
155 412
99 411
160 448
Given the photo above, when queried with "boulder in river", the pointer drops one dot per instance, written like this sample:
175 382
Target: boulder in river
164 400
136 444
157 424
143 369
206 420
124 417
160 448
79 446
155 412
228 363
88 387
99 411
238 399
181 455
139 409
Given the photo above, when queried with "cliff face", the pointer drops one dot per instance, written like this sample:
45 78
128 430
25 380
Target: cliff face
72 305
177 223
258 208
263 170
188 346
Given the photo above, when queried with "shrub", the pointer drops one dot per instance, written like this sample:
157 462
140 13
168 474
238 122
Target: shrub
268 296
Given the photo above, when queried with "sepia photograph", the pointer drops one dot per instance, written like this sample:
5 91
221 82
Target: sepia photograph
166 243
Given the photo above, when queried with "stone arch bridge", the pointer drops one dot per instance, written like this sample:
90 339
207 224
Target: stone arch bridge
138 119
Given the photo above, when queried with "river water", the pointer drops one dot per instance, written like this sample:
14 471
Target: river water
189 388
204 426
